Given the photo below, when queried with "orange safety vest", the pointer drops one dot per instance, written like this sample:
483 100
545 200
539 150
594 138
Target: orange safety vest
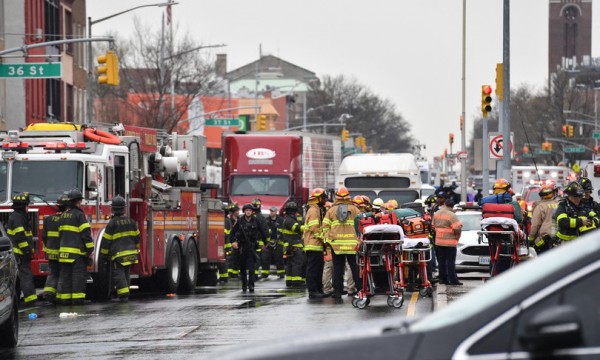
446 223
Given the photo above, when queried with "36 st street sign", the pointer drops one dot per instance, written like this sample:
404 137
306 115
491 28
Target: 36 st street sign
31 70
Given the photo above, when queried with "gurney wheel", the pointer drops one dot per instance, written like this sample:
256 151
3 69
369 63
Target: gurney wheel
426 291
396 302
362 303
354 301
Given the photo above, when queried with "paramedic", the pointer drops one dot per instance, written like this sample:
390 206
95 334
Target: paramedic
541 235
447 233
313 243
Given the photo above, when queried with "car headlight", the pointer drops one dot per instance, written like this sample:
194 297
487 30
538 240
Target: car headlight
529 208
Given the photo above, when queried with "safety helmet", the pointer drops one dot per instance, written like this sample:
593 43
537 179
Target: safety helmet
256 203
74 195
389 205
501 184
20 200
431 199
233 207
118 204
366 200
62 201
247 206
393 202
342 193
316 193
586 184
574 189
548 189
291 207
358 200
518 195
225 207
377 203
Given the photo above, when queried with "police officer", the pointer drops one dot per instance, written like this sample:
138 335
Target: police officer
51 247
76 247
293 247
19 232
313 243
120 247
231 218
588 201
247 234
571 218
338 227
272 252
541 235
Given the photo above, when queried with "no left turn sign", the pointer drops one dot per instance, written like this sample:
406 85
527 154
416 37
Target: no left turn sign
496 146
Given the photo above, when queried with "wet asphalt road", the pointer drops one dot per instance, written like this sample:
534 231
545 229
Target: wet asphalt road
153 326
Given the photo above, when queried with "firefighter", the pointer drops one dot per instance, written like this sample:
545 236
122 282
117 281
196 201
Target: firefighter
447 233
338 227
503 195
313 243
571 218
327 259
588 201
272 252
20 233
257 204
222 266
247 235
293 247
120 247
541 235
377 205
231 218
76 247
519 199
51 246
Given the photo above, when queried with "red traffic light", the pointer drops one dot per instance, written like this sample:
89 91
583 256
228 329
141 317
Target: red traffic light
486 89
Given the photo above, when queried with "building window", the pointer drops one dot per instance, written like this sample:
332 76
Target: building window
1 19
53 95
69 103
51 20
68 28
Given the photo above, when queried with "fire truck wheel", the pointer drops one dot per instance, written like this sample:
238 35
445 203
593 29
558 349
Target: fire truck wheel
168 279
189 274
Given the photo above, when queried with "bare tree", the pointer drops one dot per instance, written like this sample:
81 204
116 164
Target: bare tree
149 69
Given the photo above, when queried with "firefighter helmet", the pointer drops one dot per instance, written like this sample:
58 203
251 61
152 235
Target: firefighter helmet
256 203
233 207
393 202
431 199
248 206
586 184
358 200
316 193
501 185
20 200
62 201
389 205
377 203
74 195
548 189
118 204
342 193
366 200
574 189
291 207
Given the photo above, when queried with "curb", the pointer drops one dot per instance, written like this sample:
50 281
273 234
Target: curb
440 297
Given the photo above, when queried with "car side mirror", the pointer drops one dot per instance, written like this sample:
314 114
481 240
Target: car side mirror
5 244
554 328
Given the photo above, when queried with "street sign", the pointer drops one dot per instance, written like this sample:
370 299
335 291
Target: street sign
31 70
496 145
543 152
463 155
574 149
451 156
596 135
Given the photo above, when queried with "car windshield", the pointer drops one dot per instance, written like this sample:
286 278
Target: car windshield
471 221
508 284
32 177
260 185
533 195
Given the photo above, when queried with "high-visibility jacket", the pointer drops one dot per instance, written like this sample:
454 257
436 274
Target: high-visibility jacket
19 232
542 224
313 235
121 240
291 233
262 220
50 236
75 235
447 227
341 234
569 220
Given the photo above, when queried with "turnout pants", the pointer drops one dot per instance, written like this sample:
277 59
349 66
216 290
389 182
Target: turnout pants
314 271
447 263
295 273
52 280
26 279
339 264
120 279
72 281
247 263
233 264
327 277
272 255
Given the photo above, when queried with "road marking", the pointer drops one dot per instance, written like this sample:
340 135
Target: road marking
412 305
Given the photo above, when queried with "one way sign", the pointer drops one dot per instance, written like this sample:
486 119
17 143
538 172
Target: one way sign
496 145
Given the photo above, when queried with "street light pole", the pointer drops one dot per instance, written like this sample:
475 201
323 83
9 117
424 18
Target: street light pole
90 60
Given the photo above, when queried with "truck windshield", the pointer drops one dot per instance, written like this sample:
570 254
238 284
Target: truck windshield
3 180
401 196
47 178
260 185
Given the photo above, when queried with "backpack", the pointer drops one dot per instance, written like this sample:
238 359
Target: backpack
342 212
415 227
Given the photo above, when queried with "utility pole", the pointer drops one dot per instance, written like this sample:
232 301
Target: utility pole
506 154
463 132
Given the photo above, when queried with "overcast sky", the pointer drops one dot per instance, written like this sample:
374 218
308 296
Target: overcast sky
406 51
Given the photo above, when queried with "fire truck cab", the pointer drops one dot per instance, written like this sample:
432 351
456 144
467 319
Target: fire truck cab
161 175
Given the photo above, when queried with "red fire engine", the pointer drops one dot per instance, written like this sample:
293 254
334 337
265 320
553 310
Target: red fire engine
161 175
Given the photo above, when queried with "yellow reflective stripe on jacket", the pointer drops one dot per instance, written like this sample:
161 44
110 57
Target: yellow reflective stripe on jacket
23 244
572 221
338 223
18 251
15 230
121 234
313 248
70 250
287 232
52 233
227 231
565 237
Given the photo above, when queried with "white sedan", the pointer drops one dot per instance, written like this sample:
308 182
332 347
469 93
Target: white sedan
470 254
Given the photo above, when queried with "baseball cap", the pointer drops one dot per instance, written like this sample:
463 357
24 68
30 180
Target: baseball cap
274 208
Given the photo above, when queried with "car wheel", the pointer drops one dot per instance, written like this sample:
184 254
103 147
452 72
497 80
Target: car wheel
9 331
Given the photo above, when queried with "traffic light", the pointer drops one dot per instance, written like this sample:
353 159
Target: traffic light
345 134
451 138
596 149
108 69
486 100
499 81
462 122
525 149
261 122
565 131
570 129
547 146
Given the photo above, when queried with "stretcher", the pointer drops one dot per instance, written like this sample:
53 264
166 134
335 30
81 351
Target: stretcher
416 253
507 243
379 255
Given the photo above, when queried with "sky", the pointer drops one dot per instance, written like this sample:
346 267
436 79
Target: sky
409 52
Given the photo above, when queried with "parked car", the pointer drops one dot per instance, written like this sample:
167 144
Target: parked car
470 254
542 309
9 293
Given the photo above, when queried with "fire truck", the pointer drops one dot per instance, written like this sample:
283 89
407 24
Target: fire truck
278 167
162 177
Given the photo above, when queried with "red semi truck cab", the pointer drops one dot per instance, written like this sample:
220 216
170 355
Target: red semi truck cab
278 167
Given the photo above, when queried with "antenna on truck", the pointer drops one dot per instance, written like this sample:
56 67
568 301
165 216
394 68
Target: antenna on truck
529 144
